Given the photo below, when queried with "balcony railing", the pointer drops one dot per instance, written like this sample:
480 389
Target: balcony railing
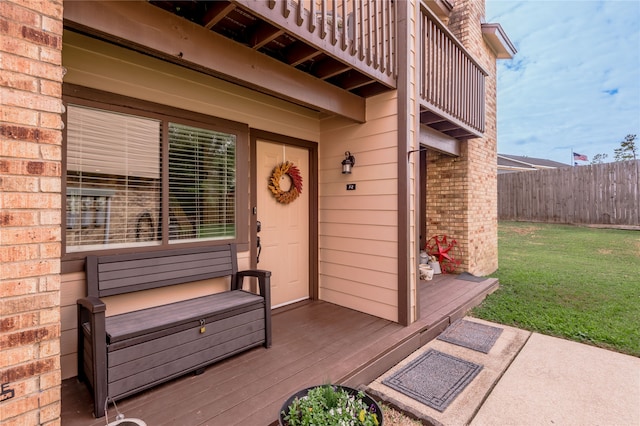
452 83
359 34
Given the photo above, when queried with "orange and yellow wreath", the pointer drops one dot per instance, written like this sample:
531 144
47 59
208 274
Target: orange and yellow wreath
289 169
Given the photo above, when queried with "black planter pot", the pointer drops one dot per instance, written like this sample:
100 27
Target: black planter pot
370 402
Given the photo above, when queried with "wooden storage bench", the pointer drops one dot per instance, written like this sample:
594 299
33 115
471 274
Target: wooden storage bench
123 354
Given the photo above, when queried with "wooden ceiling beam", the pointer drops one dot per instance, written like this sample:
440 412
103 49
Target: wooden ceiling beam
330 68
438 141
354 80
429 118
299 53
263 34
434 117
216 13
371 89
460 134
444 126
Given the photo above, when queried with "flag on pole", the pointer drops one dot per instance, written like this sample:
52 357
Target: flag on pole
580 157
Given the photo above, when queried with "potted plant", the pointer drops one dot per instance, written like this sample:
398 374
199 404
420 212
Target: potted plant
330 405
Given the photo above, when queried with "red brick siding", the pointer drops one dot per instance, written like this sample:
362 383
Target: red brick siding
30 172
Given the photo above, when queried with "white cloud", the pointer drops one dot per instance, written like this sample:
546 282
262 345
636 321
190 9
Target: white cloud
575 81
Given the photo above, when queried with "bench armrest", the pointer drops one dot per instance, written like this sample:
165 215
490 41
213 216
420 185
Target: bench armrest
255 273
91 311
264 282
92 304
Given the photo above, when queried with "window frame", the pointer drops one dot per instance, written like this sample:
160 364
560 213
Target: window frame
93 98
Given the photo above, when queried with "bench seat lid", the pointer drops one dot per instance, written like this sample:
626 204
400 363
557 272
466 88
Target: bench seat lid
138 323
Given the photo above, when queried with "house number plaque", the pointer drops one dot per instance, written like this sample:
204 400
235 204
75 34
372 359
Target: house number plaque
7 393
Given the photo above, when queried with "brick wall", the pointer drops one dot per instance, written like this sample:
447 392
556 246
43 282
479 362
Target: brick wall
464 203
448 200
30 167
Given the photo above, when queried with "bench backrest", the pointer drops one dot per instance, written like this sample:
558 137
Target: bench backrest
126 273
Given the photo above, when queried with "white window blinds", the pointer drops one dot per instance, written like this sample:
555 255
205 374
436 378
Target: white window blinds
113 179
202 167
116 195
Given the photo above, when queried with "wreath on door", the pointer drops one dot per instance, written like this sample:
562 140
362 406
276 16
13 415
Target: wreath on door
289 169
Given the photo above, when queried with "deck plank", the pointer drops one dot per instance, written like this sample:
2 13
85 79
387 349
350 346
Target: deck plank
319 365
313 342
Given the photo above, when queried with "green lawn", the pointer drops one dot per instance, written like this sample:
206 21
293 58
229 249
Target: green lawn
574 282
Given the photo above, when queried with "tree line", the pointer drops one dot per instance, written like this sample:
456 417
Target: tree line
628 151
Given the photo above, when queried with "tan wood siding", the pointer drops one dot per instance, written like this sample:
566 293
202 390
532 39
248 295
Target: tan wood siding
382 262
359 229
350 244
99 65
376 217
72 287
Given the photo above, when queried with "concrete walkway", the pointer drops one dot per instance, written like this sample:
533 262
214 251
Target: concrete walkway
532 379
558 382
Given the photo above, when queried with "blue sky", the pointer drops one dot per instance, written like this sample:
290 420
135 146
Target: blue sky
574 83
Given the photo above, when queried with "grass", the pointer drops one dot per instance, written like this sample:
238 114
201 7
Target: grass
578 283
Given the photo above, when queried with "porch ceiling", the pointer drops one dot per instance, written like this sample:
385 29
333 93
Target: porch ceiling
446 124
143 27
237 22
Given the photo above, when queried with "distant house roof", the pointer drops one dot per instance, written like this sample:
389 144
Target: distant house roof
517 163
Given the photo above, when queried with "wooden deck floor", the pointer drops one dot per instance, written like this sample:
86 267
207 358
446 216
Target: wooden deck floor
313 342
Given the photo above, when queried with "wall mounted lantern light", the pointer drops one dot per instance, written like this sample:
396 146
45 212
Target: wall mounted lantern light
348 162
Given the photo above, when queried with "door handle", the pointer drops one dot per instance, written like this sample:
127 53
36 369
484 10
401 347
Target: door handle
258 229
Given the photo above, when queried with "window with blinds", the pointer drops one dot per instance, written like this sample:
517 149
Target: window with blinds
113 179
202 183
115 194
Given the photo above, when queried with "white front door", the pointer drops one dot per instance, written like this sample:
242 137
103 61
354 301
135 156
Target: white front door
284 234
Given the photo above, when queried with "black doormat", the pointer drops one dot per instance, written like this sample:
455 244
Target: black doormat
472 335
434 378
465 276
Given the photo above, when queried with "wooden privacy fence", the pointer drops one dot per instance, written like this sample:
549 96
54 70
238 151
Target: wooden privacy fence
597 194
